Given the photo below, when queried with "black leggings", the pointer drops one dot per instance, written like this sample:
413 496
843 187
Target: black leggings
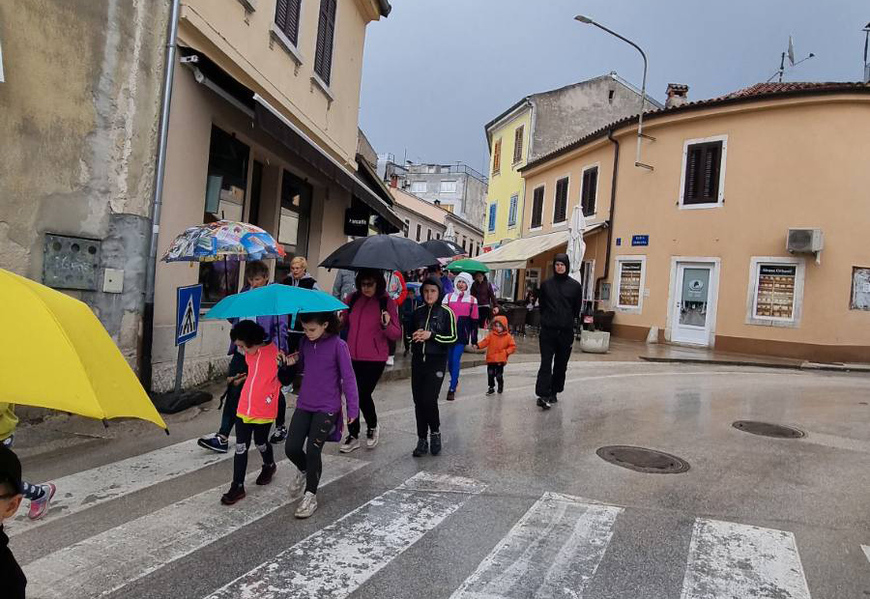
244 432
367 376
427 376
495 372
315 427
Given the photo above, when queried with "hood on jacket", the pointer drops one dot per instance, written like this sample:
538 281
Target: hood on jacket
435 281
563 258
466 278
503 321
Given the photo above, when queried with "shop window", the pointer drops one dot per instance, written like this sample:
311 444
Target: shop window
295 220
512 212
860 288
704 172
589 190
775 291
560 204
630 281
226 186
537 207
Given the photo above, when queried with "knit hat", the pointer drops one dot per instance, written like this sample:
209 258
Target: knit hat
465 278
10 469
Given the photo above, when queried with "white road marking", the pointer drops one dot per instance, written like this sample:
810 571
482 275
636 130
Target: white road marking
336 560
735 561
553 551
84 490
111 560
866 551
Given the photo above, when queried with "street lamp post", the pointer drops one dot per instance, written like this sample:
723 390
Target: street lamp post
640 133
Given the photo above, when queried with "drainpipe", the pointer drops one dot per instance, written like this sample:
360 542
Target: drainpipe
157 202
606 274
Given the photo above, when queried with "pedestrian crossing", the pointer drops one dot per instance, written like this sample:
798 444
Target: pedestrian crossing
554 549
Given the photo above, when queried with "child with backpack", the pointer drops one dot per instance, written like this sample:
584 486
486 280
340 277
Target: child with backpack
257 408
324 358
499 344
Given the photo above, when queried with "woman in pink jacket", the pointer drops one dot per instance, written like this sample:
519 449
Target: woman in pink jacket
373 322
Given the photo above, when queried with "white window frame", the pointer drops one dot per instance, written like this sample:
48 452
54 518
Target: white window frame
597 185
755 263
492 218
620 260
423 183
543 206
561 223
513 207
442 190
723 162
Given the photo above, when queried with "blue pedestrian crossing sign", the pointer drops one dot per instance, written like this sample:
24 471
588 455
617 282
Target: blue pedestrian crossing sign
187 313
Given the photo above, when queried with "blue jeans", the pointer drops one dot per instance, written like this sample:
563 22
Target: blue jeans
454 359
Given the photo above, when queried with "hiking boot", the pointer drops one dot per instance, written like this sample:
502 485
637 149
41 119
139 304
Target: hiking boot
307 506
491 391
236 493
544 404
214 442
435 443
451 395
421 449
39 507
297 483
373 435
279 435
266 474
350 444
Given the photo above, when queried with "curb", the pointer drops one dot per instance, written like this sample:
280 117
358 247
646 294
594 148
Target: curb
800 366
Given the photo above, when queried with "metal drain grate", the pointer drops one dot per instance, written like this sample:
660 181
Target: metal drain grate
766 429
641 459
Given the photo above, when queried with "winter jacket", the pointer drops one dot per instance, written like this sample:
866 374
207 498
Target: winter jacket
438 319
275 327
11 577
345 283
464 307
560 300
8 420
306 282
498 345
260 392
328 372
484 293
367 338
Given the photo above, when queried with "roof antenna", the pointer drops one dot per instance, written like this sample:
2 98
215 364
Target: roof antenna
866 31
790 54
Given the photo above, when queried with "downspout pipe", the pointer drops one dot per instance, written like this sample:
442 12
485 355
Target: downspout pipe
145 367
606 273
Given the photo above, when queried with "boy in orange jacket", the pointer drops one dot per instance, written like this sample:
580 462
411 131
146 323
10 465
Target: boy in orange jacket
499 345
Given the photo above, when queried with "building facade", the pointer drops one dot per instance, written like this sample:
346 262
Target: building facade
424 221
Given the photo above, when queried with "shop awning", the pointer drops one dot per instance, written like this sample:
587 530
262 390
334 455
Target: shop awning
278 126
517 253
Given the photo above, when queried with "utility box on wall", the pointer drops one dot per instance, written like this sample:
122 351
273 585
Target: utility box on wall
71 262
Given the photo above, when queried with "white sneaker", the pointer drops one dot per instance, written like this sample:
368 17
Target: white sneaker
391 360
373 435
297 483
307 506
350 444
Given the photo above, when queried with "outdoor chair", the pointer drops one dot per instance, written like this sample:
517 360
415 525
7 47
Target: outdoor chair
517 320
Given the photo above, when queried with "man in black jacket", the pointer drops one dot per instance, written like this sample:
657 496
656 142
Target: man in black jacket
560 300
12 580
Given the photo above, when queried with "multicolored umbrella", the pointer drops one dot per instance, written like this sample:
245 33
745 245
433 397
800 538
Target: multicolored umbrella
468 265
223 240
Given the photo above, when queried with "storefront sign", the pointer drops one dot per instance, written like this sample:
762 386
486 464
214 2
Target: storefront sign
356 222
639 240
775 292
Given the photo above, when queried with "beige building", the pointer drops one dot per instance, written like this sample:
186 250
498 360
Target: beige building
745 236
424 221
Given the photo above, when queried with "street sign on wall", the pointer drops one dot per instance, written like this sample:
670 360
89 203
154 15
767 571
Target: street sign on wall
639 240
187 313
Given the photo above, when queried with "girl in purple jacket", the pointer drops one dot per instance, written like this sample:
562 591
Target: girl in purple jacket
325 361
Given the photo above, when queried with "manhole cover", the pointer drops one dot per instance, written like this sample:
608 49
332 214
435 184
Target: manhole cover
644 460
767 429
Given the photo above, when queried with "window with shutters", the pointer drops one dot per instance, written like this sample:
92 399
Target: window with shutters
496 157
589 190
512 212
518 144
703 184
492 214
537 208
560 203
287 19
325 37
419 229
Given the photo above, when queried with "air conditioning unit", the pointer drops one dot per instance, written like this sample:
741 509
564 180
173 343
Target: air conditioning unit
805 241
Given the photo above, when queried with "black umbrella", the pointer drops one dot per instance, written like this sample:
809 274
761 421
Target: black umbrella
442 248
380 252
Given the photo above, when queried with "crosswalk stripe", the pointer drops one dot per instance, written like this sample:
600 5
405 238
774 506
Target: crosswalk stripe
113 559
86 489
336 560
728 560
553 551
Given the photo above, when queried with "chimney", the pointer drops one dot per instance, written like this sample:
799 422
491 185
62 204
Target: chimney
394 181
677 95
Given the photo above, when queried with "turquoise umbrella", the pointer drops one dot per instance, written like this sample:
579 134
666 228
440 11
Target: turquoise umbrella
274 300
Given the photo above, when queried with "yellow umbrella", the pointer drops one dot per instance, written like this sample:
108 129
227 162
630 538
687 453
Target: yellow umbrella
56 354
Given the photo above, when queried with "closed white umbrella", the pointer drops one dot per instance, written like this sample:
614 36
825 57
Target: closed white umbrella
576 245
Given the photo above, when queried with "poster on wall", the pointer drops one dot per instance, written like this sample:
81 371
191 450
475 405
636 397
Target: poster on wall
860 289
629 284
775 292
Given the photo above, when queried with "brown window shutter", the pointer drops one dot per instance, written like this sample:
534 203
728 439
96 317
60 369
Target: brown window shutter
518 144
590 183
287 18
560 211
711 174
325 37
496 158
538 207
703 165
693 160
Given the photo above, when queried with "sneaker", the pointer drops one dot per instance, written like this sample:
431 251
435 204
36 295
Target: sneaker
543 403
373 435
8 441
421 449
391 360
214 442
350 444
307 506
266 474
279 435
451 395
297 484
490 391
39 507
236 493
435 443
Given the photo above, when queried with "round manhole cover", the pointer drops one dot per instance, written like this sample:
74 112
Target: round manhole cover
641 459
767 429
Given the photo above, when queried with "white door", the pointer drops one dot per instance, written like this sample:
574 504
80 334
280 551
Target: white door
693 317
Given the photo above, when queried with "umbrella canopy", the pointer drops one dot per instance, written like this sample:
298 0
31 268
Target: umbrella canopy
443 248
224 239
576 245
274 300
57 355
468 265
380 252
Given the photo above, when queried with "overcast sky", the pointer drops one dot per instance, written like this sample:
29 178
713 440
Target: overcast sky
436 71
